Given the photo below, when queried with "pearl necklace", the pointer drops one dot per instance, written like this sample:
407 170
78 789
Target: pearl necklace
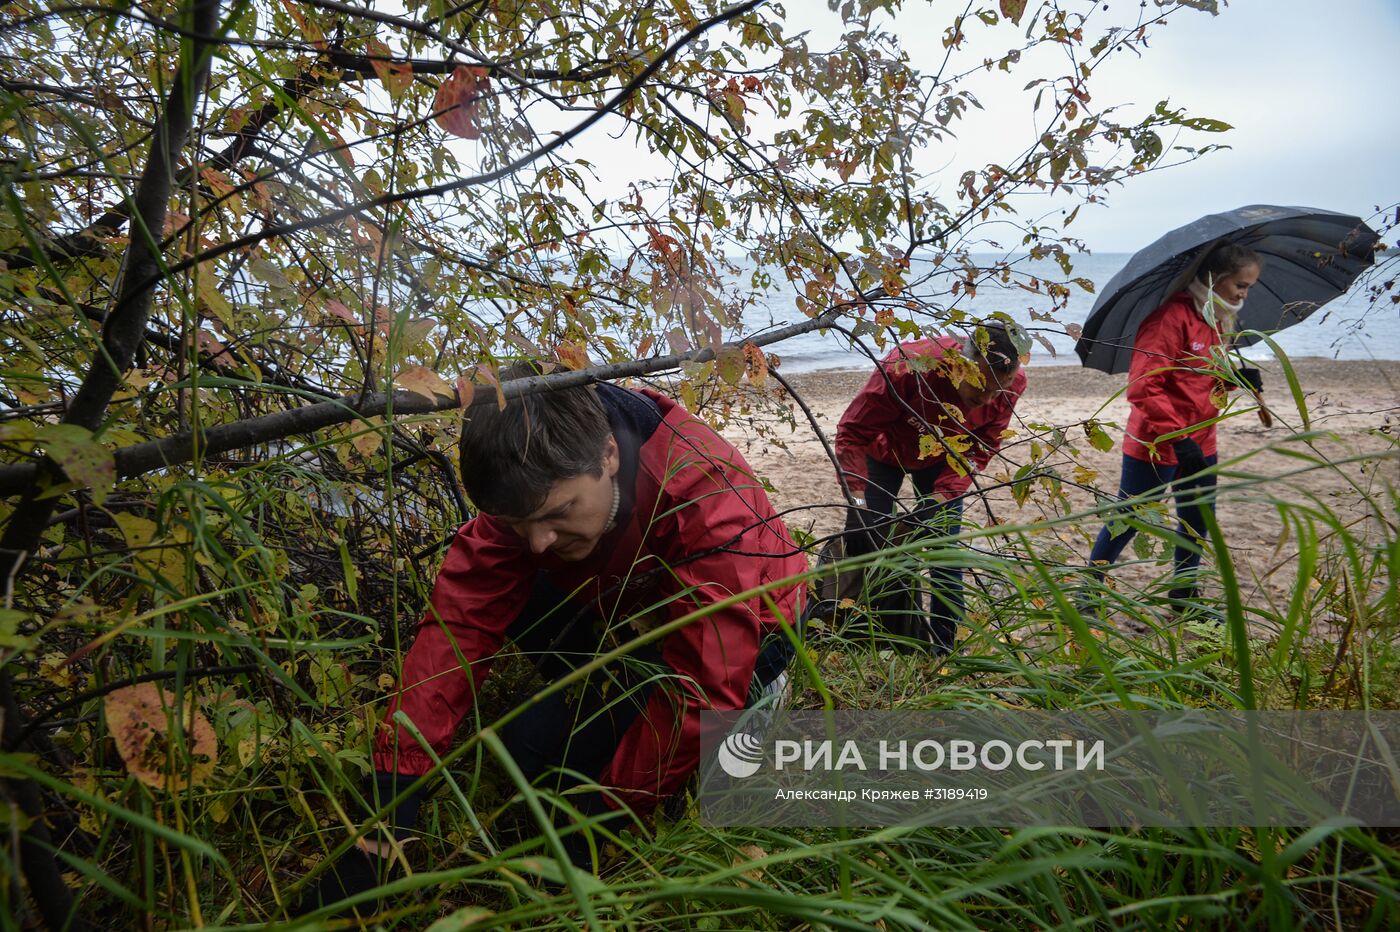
617 503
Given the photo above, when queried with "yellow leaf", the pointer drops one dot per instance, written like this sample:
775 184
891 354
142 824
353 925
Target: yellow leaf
138 531
368 440
141 719
417 330
751 853
420 380
86 462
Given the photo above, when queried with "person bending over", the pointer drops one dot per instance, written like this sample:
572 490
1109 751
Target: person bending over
603 511
927 400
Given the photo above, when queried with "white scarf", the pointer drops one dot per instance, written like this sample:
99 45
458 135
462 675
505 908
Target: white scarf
1214 310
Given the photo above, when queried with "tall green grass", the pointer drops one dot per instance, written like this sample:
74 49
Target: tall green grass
280 604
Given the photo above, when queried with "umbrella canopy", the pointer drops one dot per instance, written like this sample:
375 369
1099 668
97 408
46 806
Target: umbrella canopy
1309 256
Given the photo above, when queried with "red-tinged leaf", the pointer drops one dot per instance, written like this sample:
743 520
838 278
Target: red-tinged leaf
1012 9
712 331
308 28
466 391
336 309
677 340
756 363
208 345
175 221
645 347
220 185
487 373
457 104
1074 330
141 720
396 76
420 380
572 355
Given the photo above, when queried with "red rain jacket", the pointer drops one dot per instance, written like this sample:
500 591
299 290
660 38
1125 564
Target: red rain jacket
692 493
877 425
1170 382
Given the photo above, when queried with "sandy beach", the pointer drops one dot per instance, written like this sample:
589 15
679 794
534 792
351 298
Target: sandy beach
1354 409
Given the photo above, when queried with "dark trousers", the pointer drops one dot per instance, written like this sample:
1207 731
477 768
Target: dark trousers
575 732
1139 477
932 516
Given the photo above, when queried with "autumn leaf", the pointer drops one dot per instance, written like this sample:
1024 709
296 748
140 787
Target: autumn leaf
137 531
1012 9
730 363
307 27
141 718
457 105
337 309
368 440
87 463
756 363
396 76
417 330
267 272
487 373
751 853
420 380
928 446
210 347
572 355
466 390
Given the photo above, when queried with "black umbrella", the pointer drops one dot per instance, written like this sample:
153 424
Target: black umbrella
1310 257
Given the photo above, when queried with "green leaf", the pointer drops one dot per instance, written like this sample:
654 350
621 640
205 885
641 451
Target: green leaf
1098 437
730 362
85 461
10 637
268 273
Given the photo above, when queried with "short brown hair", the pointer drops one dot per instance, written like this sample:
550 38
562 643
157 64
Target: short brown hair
511 458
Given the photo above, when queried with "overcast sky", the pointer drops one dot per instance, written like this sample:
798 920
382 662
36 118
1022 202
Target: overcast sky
1310 87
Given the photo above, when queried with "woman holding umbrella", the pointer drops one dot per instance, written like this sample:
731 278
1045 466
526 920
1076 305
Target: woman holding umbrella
1176 390
1161 318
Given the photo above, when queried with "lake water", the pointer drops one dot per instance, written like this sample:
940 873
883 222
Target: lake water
1347 328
